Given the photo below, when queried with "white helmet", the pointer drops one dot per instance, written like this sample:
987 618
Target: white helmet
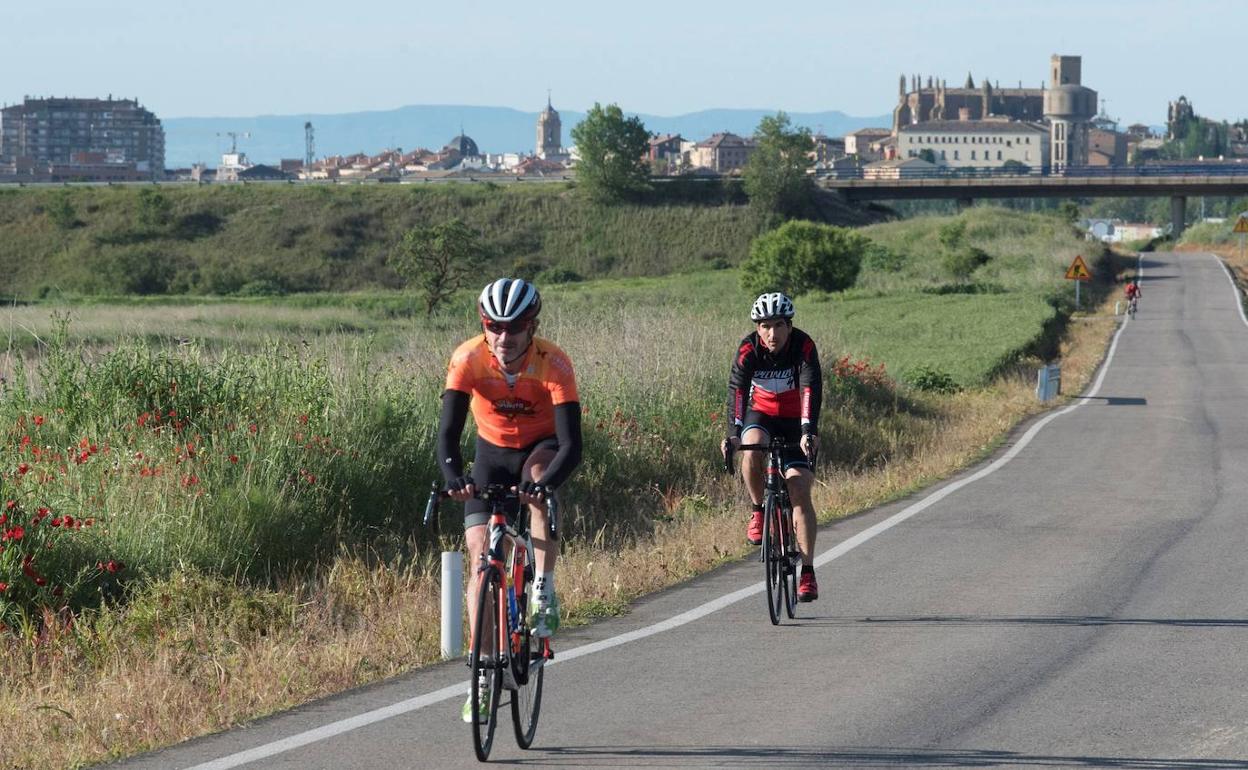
770 306
508 299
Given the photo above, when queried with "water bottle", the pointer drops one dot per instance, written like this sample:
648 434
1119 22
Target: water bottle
513 614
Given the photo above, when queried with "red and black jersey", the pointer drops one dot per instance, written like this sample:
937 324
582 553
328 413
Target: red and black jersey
788 383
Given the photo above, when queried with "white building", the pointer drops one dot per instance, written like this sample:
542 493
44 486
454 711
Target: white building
977 143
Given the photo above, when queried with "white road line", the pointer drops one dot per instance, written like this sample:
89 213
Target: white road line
702 610
1239 298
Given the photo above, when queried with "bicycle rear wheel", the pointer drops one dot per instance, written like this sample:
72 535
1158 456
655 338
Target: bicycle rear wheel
486 666
528 668
773 558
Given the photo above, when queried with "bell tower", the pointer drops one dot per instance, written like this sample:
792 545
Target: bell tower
549 132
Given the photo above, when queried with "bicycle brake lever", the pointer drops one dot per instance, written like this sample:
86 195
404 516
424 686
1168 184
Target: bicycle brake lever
431 507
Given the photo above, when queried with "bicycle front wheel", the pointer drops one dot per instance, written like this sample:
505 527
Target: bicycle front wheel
792 557
528 666
773 558
485 662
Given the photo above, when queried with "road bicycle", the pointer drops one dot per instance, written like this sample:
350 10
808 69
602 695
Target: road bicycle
781 558
1132 306
504 654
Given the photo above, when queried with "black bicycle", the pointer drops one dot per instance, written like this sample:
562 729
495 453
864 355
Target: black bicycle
504 653
782 560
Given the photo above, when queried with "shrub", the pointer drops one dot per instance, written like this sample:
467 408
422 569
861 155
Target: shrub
261 288
961 263
930 379
554 275
857 380
801 256
880 258
61 212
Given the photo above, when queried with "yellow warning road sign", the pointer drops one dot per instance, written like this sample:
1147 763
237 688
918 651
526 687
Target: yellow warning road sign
1078 270
1241 225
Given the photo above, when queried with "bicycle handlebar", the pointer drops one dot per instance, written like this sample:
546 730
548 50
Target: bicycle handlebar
775 445
494 494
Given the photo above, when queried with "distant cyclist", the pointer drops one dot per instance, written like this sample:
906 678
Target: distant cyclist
522 392
1133 293
776 389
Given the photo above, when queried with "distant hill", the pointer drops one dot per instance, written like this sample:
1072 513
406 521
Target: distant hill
495 129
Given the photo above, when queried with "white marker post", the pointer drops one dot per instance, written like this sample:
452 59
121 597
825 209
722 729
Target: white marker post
452 604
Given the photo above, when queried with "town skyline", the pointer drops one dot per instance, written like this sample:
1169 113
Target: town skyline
236 60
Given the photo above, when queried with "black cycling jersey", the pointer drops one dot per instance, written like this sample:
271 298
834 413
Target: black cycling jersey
788 383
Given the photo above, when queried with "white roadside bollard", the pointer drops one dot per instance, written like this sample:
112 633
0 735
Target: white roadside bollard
1118 307
452 604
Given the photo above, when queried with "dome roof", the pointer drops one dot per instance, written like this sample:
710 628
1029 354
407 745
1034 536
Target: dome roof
462 144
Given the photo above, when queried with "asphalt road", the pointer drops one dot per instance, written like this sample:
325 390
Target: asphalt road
1081 601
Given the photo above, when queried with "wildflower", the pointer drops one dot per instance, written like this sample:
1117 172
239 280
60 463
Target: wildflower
56 521
4 518
42 512
23 469
303 419
82 457
14 534
4 587
234 458
84 442
10 505
38 420
714 416
190 481
253 428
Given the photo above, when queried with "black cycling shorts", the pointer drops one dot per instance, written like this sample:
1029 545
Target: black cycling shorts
788 427
499 465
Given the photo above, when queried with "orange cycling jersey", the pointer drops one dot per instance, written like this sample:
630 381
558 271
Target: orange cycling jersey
514 416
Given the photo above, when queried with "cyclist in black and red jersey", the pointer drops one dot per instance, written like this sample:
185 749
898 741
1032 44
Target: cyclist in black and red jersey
776 389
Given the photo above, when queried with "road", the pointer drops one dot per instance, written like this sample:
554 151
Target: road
1080 600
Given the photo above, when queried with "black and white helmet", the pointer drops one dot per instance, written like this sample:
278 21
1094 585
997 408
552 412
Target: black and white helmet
770 306
508 299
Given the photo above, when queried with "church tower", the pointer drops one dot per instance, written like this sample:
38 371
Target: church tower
549 132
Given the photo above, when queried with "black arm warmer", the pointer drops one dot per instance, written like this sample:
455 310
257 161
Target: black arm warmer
450 428
568 432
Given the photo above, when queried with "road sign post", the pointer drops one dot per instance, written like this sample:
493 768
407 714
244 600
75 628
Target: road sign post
1078 272
1241 229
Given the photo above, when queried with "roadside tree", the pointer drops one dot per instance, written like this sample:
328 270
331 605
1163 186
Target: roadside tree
612 149
776 175
438 260
801 256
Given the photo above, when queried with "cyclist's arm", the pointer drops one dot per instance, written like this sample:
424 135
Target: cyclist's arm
739 387
450 428
568 432
810 383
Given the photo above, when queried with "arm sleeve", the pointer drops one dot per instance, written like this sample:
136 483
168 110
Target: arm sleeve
811 383
739 386
450 428
568 432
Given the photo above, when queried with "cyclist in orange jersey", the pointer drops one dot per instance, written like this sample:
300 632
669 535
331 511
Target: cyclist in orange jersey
522 393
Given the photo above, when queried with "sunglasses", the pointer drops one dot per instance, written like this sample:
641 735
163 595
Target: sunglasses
511 327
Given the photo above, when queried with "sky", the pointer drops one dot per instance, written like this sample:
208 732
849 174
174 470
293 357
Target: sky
276 57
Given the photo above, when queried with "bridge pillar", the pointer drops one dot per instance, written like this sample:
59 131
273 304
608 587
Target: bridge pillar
964 204
1178 215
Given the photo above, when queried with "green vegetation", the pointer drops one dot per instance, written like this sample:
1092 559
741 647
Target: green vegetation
218 240
613 165
439 260
776 176
799 257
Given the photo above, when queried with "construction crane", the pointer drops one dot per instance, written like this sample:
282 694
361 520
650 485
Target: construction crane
234 135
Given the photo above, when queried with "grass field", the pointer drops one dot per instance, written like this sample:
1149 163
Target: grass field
211 507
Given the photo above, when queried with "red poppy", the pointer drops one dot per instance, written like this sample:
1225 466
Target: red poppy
303 419
23 469
38 419
233 458
253 427
56 521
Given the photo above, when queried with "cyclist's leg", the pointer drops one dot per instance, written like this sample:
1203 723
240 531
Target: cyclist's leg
799 481
491 465
754 464
534 466
544 605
